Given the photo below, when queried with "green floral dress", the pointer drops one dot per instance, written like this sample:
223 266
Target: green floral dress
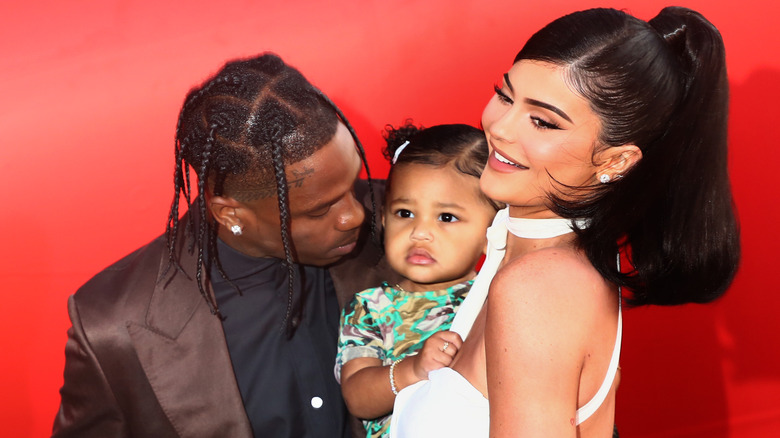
388 324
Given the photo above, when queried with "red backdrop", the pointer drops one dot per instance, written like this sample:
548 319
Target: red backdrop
90 94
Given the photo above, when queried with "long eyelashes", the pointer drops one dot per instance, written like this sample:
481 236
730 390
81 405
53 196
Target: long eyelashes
538 122
500 93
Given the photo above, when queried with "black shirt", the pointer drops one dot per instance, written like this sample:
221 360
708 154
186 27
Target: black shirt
287 385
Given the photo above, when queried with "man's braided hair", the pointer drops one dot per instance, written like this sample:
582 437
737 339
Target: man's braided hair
238 131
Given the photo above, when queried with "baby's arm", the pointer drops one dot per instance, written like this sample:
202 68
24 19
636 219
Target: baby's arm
365 382
437 352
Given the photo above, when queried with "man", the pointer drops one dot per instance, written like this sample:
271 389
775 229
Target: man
227 324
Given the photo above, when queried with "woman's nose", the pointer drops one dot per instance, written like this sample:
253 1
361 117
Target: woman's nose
504 125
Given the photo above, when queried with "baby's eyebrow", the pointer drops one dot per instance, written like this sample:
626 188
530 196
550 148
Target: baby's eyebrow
448 205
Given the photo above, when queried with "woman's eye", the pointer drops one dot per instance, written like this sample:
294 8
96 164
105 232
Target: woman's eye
501 95
448 217
404 213
543 124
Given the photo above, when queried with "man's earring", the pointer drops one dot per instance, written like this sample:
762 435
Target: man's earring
604 178
236 229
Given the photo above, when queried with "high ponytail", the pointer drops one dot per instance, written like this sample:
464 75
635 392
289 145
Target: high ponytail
702 234
661 86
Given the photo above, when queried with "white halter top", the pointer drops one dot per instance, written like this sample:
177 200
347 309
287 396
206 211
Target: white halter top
418 406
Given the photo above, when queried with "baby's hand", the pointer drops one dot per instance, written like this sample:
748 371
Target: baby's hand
437 352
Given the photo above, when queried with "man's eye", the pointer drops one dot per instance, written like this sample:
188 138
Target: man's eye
319 212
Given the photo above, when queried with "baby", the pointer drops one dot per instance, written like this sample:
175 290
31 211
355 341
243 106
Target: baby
435 218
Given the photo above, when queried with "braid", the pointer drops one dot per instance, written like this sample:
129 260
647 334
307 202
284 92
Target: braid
181 182
284 220
203 229
212 242
363 158
172 224
187 196
239 131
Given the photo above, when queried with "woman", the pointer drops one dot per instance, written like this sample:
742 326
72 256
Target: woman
607 136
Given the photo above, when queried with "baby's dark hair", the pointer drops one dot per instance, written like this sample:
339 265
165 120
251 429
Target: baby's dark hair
461 146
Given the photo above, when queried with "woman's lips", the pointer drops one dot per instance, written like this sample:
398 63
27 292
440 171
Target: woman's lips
419 256
501 163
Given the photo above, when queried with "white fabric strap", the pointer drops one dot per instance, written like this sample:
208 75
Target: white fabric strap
590 407
472 305
542 228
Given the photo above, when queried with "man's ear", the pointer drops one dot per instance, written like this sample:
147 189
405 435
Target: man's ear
225 211
618 160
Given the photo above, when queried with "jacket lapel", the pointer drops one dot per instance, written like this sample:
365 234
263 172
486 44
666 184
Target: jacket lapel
182 349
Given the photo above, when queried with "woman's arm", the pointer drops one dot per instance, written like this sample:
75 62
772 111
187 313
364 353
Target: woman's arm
534 342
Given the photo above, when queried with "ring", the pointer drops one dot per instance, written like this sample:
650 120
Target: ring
444 348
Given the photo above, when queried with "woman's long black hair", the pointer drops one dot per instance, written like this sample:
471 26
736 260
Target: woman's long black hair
660 85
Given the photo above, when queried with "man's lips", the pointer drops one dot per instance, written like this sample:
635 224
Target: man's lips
345 248
419 256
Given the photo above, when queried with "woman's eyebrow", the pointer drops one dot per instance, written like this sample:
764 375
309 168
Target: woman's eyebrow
538 103
552 108
508 82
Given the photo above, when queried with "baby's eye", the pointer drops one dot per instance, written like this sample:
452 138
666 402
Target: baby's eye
404 213
448 217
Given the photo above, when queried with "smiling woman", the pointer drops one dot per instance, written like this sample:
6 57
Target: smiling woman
603 123
551 131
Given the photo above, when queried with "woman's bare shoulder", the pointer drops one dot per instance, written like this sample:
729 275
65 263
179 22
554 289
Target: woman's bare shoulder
559 283
551 269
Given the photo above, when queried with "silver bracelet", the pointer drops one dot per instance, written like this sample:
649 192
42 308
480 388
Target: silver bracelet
392 375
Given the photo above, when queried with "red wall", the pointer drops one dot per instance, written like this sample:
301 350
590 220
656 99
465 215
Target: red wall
89 94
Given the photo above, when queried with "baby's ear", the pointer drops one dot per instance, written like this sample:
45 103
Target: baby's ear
618 160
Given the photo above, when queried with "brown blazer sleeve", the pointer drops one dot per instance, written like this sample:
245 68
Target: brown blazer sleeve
88 407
